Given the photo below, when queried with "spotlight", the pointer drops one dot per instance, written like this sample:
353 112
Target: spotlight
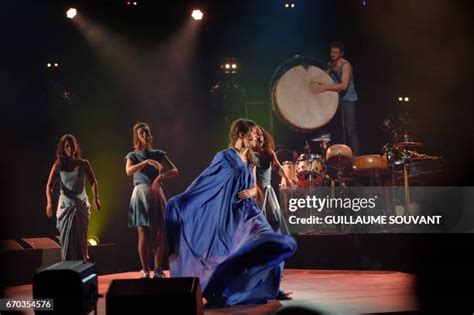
197 14
135 3
49 65
93 240
71 13
400 99
406 99
292 5
364 2
287 5
56 65
229 65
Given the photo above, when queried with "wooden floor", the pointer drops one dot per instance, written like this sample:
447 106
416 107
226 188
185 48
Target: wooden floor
332 292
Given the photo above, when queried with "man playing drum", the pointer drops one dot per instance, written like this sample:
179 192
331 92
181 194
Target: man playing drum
341 71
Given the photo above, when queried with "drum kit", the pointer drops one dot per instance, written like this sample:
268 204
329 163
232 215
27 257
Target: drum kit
304 111
309 169
398 165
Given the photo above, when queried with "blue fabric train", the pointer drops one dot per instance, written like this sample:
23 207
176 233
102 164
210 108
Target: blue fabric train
223 240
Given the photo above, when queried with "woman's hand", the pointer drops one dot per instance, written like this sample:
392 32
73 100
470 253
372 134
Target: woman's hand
155 186
154 164
49 210
96 203
245 194
290 182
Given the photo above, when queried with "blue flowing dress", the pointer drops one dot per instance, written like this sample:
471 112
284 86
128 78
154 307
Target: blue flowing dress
225 241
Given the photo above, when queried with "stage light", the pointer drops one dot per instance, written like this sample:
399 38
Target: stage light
93 240
292 5
229 65
400 98
197 14
364 2
52 65
287 5
406 99
71 13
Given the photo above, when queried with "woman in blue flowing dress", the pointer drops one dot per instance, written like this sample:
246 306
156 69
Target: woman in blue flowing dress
217 232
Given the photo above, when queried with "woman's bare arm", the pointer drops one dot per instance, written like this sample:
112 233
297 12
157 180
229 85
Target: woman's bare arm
93 182
52 178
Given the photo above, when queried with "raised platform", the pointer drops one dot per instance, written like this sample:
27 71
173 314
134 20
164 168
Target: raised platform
334 292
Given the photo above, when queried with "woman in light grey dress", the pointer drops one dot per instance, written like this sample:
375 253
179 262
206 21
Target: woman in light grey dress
73 210
266 197
148 202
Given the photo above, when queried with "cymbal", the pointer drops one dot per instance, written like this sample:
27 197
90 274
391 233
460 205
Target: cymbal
407 145
325 138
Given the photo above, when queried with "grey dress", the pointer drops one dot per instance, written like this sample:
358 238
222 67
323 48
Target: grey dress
147 207
270 206
73 213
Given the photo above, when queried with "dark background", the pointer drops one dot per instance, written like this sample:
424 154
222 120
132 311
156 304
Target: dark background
148 66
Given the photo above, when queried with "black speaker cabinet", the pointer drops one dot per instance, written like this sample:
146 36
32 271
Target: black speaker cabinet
154 296
71 284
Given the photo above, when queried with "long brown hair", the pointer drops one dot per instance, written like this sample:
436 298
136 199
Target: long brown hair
242 126
268 144
136 142
62 160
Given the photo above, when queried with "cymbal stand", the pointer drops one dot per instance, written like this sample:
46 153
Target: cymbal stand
406 161
310 165
392 169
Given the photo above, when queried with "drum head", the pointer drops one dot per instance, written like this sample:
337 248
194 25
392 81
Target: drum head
291 99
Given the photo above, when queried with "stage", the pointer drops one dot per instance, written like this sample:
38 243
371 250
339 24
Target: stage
330 291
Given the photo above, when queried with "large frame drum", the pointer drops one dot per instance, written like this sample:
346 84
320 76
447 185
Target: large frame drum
292 101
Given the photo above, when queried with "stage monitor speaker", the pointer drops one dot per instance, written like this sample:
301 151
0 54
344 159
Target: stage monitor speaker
41 243
10 245
154 296
71 284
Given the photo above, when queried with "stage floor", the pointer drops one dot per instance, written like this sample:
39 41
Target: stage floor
330 291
